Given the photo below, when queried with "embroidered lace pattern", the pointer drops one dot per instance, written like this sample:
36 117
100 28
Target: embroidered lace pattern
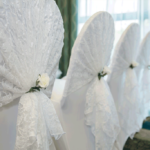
90 54
124 79
143 73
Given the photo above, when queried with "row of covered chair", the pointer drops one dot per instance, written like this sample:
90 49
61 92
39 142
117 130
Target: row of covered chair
95 113
87 106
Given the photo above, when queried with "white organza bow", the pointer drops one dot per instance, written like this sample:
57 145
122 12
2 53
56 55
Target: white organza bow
90 54
31 40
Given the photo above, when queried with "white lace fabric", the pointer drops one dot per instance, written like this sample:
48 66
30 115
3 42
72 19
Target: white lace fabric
143 74
37 122
91 52
101 114
31 40
123 81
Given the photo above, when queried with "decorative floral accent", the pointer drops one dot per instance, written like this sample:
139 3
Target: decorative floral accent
134 64
106 70
41 82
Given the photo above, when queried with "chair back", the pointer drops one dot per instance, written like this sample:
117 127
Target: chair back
123 83
143 74
88 110
31 41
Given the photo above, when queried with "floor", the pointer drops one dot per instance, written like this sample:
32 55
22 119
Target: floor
141 140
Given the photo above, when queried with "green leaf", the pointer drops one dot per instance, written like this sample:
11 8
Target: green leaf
33 89
104 75
37 82
99 76
36 88
131 66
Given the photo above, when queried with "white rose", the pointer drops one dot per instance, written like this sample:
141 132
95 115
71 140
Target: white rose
134 63
43 80
106 70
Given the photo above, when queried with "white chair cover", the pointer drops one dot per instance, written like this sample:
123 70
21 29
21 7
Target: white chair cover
91 52
143 74
124 85
31 40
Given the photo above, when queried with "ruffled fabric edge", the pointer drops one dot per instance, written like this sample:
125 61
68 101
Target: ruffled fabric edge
37 122
101 115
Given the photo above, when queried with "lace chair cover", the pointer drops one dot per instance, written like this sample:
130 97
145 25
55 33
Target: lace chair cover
143 74
124 85
31 40
91 52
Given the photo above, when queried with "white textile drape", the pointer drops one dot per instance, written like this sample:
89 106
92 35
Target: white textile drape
143 74
124 85
90 54
31 41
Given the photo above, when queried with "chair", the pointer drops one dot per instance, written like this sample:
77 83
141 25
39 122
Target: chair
143 74
31 41
123 83
87 109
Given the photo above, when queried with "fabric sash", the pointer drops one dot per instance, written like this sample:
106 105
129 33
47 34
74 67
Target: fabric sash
37 122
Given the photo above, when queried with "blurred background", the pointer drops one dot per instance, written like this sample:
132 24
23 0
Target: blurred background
76 12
